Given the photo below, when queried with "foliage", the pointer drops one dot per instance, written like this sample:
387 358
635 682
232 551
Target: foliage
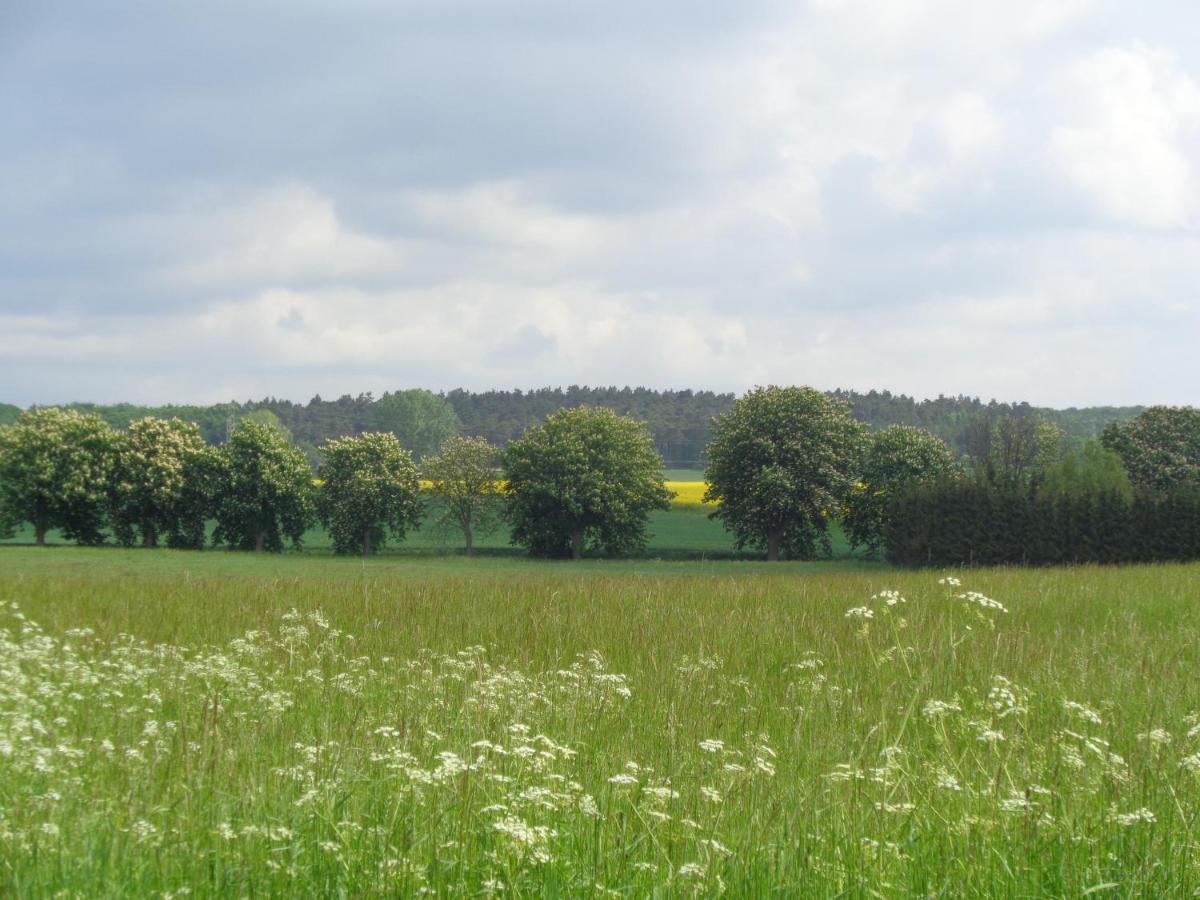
679 421
9 414
369 490
56 470
898 456
268 418
1011 451
1091 469
163 484
463 476
780 461
1160 448
420 419
967 522
266 490
584 478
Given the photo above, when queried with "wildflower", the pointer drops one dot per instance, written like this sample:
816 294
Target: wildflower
935 709
529 841
1129 819
1156 737
860 612
1085 713
950 581
948 782
711 794
712 745
717 847
980 600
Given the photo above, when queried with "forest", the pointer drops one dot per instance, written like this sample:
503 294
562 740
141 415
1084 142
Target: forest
679 420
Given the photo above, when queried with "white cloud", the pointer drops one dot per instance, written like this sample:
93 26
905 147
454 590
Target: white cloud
1135 115
276 236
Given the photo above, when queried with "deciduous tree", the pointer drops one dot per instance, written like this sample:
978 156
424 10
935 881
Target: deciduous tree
463 477
585 478
1160 447
369 490
266 490
163 484
780 464
897 456
56 470
420 419
1091 470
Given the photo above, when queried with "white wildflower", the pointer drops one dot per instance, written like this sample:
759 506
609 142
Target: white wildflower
891 598
1084 713
1132 818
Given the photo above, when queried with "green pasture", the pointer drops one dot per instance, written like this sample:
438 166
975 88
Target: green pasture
682 532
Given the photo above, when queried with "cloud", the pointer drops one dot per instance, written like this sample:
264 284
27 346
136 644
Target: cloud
1133 139
924 195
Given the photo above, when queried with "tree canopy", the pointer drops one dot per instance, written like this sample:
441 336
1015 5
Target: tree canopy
585 478
266 490
56 469
163 483
420 419
1160 447
462 476
897 457
1091 470
780 464
369 491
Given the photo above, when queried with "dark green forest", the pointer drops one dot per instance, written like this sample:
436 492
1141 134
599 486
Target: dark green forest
678 420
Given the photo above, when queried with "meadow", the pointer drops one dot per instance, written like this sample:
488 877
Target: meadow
217 724
683 532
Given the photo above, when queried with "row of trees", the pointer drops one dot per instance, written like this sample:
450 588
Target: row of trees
1133 495
586 477
784 463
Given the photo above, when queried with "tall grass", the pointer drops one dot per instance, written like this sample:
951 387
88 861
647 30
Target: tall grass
219 725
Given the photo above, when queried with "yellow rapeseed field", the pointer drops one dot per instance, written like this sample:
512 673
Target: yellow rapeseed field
687 493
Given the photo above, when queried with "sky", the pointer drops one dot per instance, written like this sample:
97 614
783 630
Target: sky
204 201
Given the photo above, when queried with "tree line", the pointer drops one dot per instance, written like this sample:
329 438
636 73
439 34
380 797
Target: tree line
680 422
783 465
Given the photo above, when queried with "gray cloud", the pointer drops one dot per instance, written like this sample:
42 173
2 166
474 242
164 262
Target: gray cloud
213 200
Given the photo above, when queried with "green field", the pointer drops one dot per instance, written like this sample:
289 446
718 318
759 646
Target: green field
679 533
231 724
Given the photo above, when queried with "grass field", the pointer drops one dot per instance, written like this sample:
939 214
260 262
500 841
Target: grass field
683 532
225 724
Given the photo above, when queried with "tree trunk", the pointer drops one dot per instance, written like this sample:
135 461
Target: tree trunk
149 538
577 543
366 542
260 541
470 538
774 539
39 534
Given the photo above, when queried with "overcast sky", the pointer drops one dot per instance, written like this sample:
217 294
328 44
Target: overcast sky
212 200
